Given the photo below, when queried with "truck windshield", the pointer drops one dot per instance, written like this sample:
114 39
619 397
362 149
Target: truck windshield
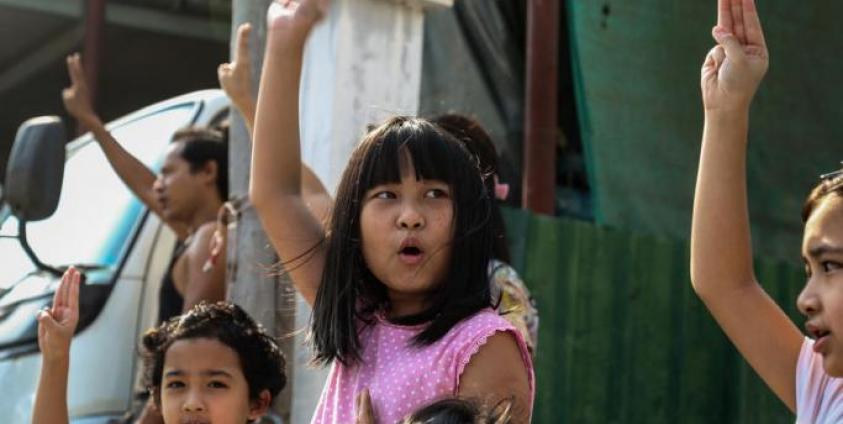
96 212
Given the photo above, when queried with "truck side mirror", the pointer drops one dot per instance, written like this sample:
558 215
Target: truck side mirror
35 169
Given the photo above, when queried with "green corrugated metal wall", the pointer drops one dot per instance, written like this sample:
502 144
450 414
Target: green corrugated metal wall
623 338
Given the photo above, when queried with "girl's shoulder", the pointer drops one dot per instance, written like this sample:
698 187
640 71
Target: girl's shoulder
469 335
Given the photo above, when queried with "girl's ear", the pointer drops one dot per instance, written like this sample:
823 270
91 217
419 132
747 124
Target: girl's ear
260 405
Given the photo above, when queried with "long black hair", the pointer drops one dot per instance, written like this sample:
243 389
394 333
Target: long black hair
349 294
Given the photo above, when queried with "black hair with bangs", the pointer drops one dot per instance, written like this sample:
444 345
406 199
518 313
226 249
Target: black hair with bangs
349 294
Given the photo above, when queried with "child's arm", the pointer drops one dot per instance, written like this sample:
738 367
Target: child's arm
497 372
55 331
236 80
131 171
721 252
275 189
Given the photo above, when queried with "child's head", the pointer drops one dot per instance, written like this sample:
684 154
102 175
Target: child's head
460 411
212 363
471 134
821 300
409 236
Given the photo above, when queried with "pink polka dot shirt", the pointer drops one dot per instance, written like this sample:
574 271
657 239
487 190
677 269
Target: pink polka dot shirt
402 378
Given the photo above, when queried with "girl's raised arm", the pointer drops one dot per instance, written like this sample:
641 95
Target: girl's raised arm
721 252
275 187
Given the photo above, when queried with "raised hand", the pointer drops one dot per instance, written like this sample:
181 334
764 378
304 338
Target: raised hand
363 405
219 240
236 77
735 67
57 324
296 17
77 98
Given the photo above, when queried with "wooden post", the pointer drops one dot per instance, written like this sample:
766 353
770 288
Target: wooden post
540 126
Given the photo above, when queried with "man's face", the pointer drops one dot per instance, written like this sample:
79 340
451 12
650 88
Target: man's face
176 187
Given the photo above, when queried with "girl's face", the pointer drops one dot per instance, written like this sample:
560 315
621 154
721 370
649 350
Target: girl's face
821 301
406 230
203 382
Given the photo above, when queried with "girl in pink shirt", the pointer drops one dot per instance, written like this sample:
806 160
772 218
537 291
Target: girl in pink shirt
398 282
803 373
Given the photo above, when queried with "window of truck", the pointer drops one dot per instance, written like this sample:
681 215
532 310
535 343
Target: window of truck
95 219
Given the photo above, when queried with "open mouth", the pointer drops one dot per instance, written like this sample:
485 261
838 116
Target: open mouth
816 332
821 342
410 253
820 336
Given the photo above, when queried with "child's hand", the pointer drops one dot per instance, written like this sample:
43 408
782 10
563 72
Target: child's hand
735 67
363 404
236 77
295 17
219 240
77 98
56 325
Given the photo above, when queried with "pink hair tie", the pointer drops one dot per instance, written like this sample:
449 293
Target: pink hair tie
501 190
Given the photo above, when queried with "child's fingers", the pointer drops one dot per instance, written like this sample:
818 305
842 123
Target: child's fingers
718 55
752 24
724 14
242 52
77 75
223 71
711 63
70 70
73 292
731 45
737 21
47 322
59 295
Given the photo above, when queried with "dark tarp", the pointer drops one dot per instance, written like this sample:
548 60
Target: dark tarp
637 66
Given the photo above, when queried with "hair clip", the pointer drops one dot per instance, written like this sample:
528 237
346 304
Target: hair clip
832 175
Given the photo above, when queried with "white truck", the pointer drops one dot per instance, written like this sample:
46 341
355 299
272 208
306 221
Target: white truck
102 229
